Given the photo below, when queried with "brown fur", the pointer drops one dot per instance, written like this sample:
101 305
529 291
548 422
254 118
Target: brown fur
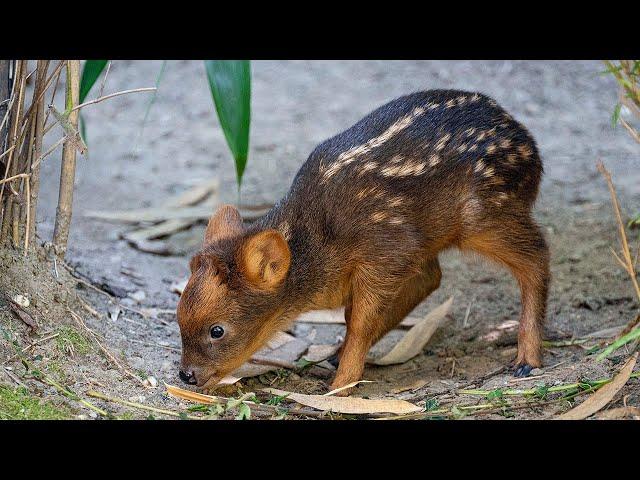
362 226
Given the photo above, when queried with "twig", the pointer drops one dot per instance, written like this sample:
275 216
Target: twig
162 411
104 79
555 389
106 97
49 151
628 264
20 175
151 344
104 349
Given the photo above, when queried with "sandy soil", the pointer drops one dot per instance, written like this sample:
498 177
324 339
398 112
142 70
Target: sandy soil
296 104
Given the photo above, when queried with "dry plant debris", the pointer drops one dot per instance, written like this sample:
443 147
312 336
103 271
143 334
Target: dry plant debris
603 396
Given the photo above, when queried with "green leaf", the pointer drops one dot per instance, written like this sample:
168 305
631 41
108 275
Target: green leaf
90 73
616 114
495 394
244 412
632 335
230 84
431 404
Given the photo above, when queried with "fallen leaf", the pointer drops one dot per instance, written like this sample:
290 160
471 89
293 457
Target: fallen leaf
279 339
508 325
282 348
24 316
190 396
415 339
602 397
353 405
349 385
317 353
618 413
336 316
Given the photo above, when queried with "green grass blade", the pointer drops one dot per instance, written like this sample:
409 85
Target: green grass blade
230 84
150 104
90 73
632 335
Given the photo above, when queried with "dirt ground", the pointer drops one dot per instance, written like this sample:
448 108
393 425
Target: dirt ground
566 105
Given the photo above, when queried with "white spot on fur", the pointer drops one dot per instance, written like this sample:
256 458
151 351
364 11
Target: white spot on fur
489 172
378 217
491 148
395 202
404 170
285 229
396 221
434 160
442 142
479 166
345 158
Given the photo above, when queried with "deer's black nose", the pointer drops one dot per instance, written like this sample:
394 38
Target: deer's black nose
188 377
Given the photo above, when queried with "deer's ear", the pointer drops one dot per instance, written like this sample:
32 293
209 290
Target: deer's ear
264 258
225 223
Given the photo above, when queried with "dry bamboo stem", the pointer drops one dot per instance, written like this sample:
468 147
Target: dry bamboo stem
11 165
68 167
4 96
43 66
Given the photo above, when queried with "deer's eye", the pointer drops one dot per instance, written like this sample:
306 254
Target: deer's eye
217 331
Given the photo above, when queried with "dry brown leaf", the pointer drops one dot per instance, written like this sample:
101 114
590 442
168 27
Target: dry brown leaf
415 339
336 316
602 397
348 385
353 405
317 353
618 413
189 395
24 316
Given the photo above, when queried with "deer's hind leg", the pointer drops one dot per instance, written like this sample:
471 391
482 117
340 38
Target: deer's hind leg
517 243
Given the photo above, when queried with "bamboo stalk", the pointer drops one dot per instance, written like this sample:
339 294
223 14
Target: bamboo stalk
43 66
4 97
15 116
68 167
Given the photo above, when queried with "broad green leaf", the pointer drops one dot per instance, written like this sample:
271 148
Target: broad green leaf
90 73
230 84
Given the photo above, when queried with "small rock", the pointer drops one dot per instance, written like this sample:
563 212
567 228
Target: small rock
138 295
166 366
151 382
536 371
93 414
137 398
82 417
114 312
21 300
